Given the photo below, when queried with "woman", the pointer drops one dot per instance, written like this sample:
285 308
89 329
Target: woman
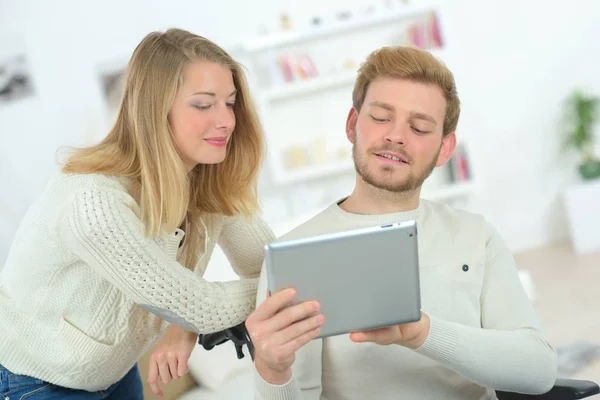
115 248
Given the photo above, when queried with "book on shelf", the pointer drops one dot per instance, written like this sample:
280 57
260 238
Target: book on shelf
458 166
296 67
425 34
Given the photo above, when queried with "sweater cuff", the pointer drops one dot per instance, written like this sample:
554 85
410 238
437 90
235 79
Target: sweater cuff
442 341
268 391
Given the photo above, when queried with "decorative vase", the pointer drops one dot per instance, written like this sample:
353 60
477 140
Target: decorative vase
590 169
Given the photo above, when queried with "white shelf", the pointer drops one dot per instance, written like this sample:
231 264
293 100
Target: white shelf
315 172
303 87
334 28
298 88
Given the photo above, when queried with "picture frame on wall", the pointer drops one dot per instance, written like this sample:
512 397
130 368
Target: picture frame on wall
112 90
111 77
16 81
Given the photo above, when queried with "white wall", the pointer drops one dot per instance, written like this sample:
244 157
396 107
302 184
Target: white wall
525 57
520 60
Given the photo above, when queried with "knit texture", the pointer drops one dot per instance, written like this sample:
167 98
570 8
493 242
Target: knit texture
484 334
81 276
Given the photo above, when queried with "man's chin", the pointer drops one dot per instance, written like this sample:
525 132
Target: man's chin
389 184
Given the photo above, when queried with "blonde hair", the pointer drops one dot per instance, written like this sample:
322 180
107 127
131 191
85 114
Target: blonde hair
412 64
140 144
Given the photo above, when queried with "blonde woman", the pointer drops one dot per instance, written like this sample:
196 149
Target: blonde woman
113 252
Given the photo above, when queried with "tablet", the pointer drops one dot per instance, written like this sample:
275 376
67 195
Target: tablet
364 278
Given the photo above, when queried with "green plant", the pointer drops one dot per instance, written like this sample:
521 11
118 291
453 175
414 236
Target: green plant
581 117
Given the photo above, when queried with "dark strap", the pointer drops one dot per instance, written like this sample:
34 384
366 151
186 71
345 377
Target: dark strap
237 334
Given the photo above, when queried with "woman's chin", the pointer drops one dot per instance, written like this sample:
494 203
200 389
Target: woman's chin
211 160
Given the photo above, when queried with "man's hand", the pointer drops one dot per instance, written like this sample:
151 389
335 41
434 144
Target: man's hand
169 360
278 332
411 335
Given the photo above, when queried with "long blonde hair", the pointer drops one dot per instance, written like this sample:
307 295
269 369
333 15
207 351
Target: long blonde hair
140 144
414 64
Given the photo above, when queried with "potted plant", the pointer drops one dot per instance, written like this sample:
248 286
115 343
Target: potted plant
581 117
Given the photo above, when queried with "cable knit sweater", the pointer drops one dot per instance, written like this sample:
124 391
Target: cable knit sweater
484 335
81 276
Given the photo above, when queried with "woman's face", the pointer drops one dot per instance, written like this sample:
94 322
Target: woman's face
201 116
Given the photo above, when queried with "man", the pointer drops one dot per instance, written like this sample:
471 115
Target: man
478 332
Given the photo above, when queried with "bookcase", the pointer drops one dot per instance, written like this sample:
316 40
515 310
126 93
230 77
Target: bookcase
302 80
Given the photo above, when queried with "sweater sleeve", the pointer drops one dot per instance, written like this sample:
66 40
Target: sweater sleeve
101 228
243 241
509 352
306 370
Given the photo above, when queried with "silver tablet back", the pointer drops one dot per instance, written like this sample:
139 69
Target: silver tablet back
364 278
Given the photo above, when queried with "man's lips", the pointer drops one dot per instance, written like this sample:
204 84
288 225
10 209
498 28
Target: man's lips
392 157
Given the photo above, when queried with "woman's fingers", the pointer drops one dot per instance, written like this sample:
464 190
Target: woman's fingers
173 361
153 378
182 366
165 374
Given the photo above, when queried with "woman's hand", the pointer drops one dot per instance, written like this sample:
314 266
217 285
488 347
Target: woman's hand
169 360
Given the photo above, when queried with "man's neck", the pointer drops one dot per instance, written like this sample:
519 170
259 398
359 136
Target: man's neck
369 200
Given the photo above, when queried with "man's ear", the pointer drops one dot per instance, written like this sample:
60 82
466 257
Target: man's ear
447 149
351 125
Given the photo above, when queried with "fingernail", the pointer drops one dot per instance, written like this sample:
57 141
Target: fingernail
320 318
315 306
291 292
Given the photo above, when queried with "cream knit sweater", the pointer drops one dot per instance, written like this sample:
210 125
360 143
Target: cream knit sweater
485 334
81 276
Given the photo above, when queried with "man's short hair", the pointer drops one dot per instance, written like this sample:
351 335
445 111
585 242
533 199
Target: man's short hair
413 64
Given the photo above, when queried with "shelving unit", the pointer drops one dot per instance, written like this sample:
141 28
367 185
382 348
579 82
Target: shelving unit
313 85
334 28
303 80
309 86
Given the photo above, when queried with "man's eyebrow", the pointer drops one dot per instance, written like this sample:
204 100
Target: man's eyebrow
413 115
420 115
380 104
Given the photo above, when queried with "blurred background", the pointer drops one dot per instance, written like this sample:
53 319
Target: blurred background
529 134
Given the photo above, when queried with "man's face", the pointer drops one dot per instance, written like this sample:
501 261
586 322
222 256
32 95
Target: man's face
397 136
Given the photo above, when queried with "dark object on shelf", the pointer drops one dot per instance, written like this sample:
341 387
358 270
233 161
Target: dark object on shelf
286 22
344 15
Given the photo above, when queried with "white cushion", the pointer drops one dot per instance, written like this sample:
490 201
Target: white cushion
238 387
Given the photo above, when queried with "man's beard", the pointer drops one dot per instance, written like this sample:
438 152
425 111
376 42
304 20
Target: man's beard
384 179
